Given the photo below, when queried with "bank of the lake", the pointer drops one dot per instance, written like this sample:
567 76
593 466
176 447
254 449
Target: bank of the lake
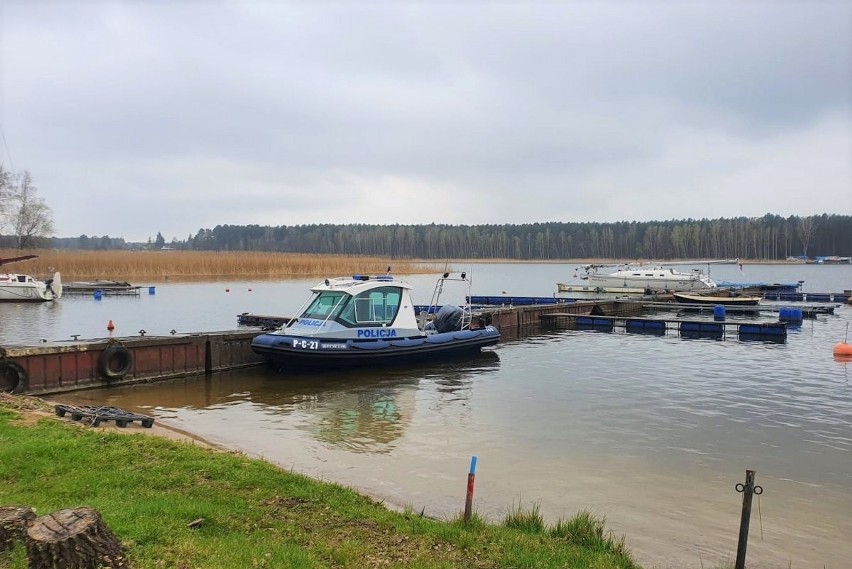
148 489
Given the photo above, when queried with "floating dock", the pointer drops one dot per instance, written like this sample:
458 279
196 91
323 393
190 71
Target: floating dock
263 321
104 288
808 311
840 297
772 331
778 293
56 367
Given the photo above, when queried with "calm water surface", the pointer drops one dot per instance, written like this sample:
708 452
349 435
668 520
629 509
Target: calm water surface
651 432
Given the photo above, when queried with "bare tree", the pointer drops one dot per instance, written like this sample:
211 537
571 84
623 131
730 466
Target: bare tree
806 229
29 216
7 185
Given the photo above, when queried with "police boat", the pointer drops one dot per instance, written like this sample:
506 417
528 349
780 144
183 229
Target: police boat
371 321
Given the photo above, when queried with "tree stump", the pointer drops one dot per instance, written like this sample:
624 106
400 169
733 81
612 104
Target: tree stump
75 538
13 525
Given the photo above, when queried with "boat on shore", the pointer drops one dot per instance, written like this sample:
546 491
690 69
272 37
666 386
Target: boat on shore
371 321
16 287
651 280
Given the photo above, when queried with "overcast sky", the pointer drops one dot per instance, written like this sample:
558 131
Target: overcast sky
138 117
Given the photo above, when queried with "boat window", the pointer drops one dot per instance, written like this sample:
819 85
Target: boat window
372 308
324 304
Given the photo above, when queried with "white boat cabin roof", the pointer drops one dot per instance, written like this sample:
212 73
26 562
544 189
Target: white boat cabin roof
16 278
357 284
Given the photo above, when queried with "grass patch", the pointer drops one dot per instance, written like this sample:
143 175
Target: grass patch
584 529
527 520
587 530
255 515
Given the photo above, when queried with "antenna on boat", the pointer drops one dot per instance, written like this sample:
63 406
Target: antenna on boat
467 309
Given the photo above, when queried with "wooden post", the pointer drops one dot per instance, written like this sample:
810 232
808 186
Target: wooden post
14 521
73 539
468 503
748 489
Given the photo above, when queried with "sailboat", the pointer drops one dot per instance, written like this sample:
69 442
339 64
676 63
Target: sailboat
653 278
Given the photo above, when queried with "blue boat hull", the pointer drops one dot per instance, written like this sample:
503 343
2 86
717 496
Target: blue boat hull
301 352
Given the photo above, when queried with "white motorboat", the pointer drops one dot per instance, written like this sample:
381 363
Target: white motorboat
15 287
649 279
371 320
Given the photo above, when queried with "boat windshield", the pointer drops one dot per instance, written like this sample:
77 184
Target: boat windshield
325 304
375 307
371 308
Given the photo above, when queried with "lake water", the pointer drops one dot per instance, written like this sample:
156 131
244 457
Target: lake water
651 432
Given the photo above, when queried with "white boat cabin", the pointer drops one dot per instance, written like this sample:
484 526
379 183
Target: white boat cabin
358 307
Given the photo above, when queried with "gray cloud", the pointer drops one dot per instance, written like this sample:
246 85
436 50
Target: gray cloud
139 117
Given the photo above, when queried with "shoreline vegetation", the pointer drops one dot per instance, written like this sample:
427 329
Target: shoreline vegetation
164 265
179 504
123 265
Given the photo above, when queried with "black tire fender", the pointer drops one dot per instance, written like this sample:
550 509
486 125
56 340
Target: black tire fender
13 378
115 361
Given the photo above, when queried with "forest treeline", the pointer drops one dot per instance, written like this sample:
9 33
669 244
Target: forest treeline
768 237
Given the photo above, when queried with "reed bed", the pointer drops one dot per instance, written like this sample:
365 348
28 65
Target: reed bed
156 265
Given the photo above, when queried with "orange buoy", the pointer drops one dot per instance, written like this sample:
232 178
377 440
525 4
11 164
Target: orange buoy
110 326
843 349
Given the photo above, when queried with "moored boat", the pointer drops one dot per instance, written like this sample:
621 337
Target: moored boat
649 279
371 321
717 299
15 287
567 287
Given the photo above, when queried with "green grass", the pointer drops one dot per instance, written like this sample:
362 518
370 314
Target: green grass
255 515
529 520
586 530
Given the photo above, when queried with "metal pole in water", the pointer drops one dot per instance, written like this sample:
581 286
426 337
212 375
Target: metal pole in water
747 489
468 503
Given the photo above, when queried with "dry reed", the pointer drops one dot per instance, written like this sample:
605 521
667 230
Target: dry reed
124 265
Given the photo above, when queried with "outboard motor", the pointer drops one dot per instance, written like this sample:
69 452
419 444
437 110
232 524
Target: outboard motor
449 319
